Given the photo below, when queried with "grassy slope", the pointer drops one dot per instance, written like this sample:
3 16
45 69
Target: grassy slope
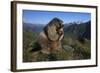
73 49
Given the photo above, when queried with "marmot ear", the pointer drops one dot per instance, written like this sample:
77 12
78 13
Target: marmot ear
52 33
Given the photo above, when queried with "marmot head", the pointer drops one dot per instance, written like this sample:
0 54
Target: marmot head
54 29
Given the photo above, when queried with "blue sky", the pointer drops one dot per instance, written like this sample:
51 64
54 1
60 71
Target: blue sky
43 17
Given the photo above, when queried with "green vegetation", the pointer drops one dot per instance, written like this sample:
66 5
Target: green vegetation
28 39
72 49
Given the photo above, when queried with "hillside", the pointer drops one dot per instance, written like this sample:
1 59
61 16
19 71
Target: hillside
33 27
76 44
82 30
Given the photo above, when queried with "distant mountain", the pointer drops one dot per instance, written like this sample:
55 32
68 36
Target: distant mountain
33 27
87 33
82 30
74 30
